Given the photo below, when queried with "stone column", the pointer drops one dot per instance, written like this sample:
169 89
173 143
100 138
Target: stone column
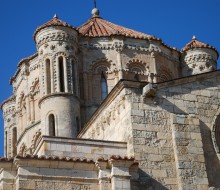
32 108
120 173
19 119
52 76
119 60
104 175
28 110
189 154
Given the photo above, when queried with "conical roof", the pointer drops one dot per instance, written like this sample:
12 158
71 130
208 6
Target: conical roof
98 27
53 22
194 43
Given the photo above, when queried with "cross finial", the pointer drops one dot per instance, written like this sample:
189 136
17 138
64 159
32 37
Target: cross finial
94 3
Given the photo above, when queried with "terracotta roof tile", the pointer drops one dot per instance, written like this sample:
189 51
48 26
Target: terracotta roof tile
122 158
98 27
55 158
194 43
53 22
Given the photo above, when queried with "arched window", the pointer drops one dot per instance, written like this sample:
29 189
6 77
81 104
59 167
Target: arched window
14 141
51 119
77 125
61 77
48 74
104 87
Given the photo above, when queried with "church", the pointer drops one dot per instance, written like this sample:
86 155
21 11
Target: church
104 107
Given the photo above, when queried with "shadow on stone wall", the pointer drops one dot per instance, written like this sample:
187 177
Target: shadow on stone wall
148 183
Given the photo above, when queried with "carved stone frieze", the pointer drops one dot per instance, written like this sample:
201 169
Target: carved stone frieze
105 120
39 185
96 65
35 140
23 150
56 36
198 58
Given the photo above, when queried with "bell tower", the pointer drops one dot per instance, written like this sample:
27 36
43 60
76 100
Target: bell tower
57 44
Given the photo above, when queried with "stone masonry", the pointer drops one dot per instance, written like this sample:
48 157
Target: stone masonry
105 107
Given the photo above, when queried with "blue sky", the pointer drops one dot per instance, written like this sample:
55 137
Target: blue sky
175 21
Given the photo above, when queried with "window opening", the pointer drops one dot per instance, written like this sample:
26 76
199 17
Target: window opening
104 88
51 125
61 69
48 76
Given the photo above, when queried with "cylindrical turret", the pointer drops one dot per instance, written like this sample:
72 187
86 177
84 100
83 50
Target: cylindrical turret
57 44
10 128
198 57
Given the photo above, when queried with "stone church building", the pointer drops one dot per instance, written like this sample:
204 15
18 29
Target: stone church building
104 107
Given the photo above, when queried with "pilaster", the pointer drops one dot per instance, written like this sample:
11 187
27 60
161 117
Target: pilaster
120 176
104 175
189 154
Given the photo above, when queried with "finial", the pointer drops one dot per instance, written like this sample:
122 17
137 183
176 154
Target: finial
55 16
95 11
194 37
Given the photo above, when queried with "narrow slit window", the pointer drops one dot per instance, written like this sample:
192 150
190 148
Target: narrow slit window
48 72
104 87
51 125
61 69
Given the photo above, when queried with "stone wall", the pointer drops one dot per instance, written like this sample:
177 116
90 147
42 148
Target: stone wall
81 148
52 174
172 133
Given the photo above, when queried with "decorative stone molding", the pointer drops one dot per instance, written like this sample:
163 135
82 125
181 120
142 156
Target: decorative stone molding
23 150
137 66
99 64
198 62
35 140
34 67
56 36
34 88
164 74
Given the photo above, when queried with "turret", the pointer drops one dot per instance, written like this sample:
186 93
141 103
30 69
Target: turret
10 127
57 44
198 57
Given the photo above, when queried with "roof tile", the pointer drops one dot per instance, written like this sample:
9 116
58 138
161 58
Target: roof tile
194 43
53 22
98 27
